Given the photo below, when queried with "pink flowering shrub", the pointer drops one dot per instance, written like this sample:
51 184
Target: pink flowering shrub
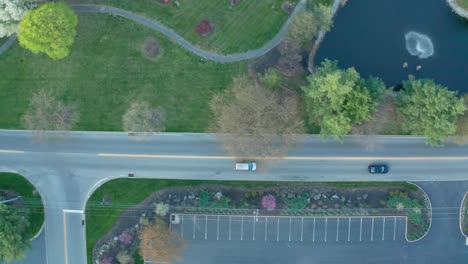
126 238
106 260
203 28
269 202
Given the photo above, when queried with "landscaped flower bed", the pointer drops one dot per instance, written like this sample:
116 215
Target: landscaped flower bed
298 200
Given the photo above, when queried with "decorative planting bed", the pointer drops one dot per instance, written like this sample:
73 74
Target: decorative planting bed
307 199
464 216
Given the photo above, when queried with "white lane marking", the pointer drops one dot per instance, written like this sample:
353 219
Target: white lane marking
230 222
11 151
290 223
313 232
65 241
266 230
182 227
217 230
326 227
360 231
206 227
394 228
277 230
302 228
73 211
337 228
194 227
372 231
383 229
242 227
253 235
349 229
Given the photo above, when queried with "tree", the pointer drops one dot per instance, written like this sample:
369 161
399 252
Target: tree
336 100
303 28
13 239
159 244
461 135
323 17
290 59
429 109
256 121
124 258
45 112
51 29
271 78
141 118
11 12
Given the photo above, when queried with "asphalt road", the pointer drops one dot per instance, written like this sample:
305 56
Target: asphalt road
66 170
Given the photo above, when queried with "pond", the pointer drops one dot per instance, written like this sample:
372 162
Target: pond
377 36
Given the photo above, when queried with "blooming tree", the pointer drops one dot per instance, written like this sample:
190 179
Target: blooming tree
269 202
126 238
203 28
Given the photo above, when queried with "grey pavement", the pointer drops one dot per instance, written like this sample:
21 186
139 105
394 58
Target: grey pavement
65 171
251 54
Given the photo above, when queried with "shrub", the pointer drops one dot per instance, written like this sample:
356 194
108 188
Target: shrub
126 238
206 200
269 202
203 28
300 202
161 209
106 260
400 200
124 258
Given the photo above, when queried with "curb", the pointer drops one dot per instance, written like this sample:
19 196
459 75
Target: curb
427 200
462 211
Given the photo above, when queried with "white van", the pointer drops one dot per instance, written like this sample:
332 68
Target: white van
246 166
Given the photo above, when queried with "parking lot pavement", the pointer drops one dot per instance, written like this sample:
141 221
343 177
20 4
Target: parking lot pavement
291 229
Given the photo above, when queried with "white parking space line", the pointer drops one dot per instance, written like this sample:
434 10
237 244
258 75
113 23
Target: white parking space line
326 227
349 229
277 230
372 230
217 230
313 232
182 226
230 223
266 227
206 227
242 227
302 228
394 228
194 226
360 231
253 235
337 228
290 223
383 229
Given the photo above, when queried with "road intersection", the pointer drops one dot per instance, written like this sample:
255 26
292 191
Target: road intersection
67 170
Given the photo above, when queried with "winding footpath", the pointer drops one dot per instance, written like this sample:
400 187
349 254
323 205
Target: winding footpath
251 54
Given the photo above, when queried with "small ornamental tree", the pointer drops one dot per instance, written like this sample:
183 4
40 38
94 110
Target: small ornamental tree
49 29
161 209
126 238
203 28
269 202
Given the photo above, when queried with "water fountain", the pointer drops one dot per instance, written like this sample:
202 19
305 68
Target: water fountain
419 45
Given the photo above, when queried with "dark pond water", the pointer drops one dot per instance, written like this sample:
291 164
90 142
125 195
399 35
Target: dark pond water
370 35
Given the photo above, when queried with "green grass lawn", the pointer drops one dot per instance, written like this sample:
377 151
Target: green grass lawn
106 70
17 183
125 193
244 27
2 40
463 3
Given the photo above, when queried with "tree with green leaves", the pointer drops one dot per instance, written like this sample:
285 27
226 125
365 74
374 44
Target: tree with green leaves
307 24
461 135
271 78
336 99
13 233
49 29
429 109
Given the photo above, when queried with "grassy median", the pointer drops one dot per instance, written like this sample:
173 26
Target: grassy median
31 198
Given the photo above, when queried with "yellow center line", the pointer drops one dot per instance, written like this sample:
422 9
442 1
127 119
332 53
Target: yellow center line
11 151
284 158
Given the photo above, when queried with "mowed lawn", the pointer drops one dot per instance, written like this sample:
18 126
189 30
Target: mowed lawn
463 3
107 70
244 27
31 198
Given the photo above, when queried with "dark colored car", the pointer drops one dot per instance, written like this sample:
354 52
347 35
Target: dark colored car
377 168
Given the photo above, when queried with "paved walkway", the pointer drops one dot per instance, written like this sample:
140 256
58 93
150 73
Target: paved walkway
180 40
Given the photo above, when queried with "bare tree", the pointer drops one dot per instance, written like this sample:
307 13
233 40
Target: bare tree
254 121
159 244
46 112
141 118
290 59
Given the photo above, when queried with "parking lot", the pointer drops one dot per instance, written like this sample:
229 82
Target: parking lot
292 229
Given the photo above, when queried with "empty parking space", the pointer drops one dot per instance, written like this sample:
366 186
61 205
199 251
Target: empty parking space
291 229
